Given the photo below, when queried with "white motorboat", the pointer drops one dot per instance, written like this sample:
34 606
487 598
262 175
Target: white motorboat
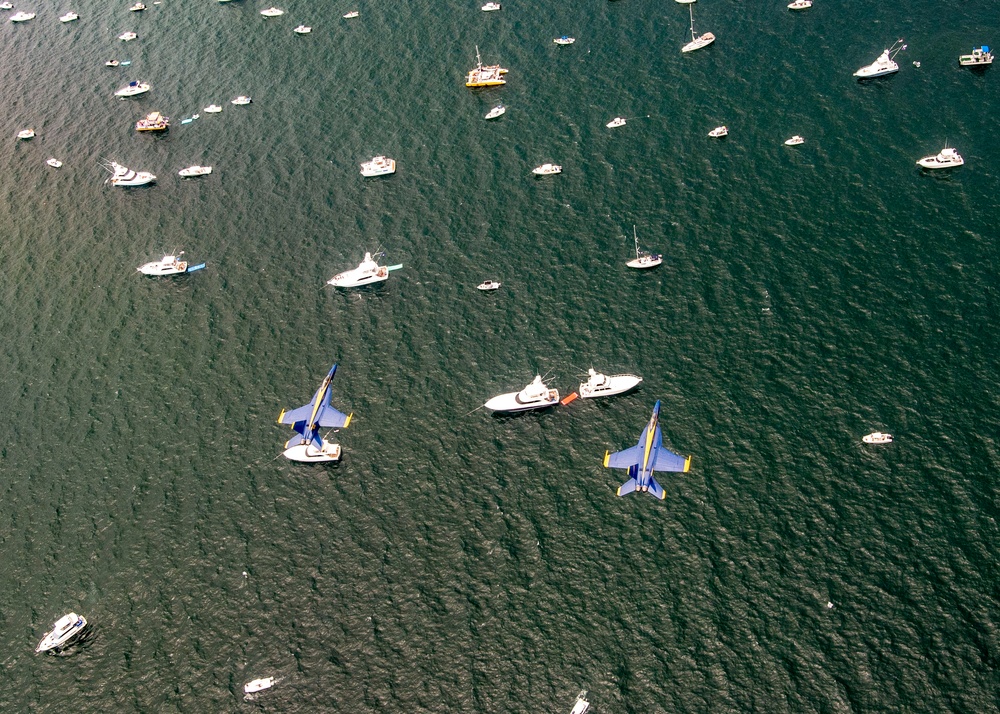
6 6
490 7
54 162
489 285
302 30
66 629
127 36
192 171
378 166
877 437
947 159
980 57
697 41
241 100
535 396
22 16
496 112
616 122
685 2
800 5
547 170
643 259
259 685
795 141
111 63
26 134
212 109
601 385
309 454
138 7
167 265
367 273
126 177
69 17
564 40
351 15
272 12
884 65
719 132
133 88
582 705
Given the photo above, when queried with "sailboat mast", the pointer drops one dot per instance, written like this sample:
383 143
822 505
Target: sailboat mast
691 12
636 236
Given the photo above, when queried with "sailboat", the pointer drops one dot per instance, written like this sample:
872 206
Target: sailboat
643 259
696 42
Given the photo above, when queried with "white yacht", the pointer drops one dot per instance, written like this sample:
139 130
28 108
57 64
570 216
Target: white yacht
138 7
192 171
601 385
697 41
309 454
795 141
490 7
535 396
212 109
22 16
54 162
66 629
643 259
800 5
378 166
126 177
26 134
241 100
69 17
947 159
272 12
685 2
351 15
564 40
258 685
167 265
547 170
367 273
877 437
127 36
133 88
488 285
616 122
6 6
582 705
719 132
980 57
884 65
302 30
496 112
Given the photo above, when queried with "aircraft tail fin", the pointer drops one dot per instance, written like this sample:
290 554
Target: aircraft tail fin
627 487
655 489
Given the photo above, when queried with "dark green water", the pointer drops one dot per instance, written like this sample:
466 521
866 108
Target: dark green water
458 562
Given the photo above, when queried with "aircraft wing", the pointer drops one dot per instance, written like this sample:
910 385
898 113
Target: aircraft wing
331 418
667 460
296 415
623 459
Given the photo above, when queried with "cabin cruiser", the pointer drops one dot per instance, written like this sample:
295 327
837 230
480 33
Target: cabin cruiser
309 454
367 273
643 259
138 7
718 132
489 285
496 112
212 109
795 141
127 36
54 162
22 16
535 396
272 12
133 88
241 100
69 17
547 170
66 629
800 5
582 705
564 40
351 15
154 121
378 166
167 265
601 385
490 7
192 171
884 65
947 159
258 685
6 6
877 437
26 134
980 57
616 122
126 177
480 76
302 30
697 41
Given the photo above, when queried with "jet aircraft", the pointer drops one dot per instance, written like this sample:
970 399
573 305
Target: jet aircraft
644 458
307 445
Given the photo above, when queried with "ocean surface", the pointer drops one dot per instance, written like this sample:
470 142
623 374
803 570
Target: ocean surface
457 561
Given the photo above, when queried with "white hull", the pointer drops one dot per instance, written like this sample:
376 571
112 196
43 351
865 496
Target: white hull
66 629
646 261
510 403
699 42
615 123
795 141
947 159
259 685
367 273
308 454
379 166
496 112
131 91
547 170
192 171
168 265
871 71
241 101
488 285
877 437
616 384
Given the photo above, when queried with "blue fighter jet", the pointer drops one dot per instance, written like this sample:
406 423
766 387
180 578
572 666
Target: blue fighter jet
307 445
644 458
